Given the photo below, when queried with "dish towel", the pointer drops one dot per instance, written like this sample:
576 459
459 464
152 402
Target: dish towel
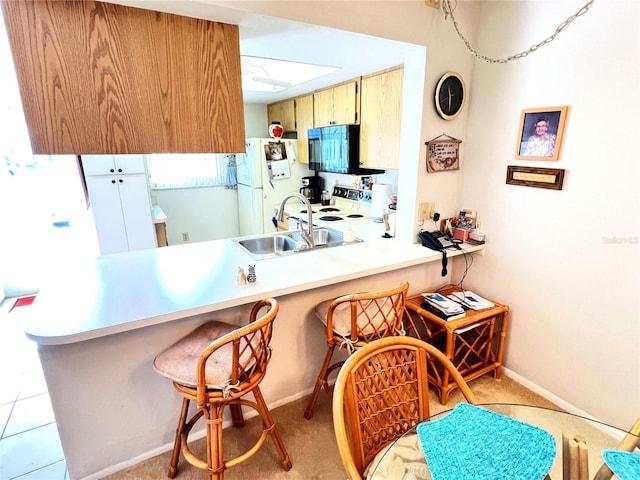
472 443
232 172
626 465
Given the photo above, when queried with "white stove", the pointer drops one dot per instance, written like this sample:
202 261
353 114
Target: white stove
348 204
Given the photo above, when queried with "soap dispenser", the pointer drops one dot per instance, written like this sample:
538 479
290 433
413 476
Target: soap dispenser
349 235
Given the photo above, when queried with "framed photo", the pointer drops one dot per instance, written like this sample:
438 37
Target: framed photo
551 178
540 134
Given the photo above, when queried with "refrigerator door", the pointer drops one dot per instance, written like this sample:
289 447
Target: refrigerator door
250 210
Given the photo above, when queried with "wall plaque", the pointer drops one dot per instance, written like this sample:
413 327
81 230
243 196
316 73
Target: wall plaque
443 154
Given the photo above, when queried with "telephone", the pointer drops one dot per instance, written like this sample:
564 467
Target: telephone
436 241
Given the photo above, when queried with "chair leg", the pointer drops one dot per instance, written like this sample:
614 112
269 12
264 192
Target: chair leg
215 453
320 382
271 429
175 455
237 418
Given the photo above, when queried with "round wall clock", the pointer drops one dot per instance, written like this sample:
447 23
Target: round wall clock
450 95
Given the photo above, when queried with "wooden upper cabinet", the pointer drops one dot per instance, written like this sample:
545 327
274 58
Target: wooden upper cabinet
100 78
337 105
283 112
304 121
380 119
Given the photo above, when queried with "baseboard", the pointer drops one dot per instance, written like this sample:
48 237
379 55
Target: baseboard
547 395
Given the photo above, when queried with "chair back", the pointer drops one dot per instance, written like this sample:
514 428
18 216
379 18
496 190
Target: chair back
368 316
381 393
250 351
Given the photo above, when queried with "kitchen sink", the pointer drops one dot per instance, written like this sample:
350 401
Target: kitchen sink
286 243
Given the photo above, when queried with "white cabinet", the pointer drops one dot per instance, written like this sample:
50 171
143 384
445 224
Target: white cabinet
120 201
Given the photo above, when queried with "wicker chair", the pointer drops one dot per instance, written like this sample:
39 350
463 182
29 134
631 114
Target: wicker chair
382 391
354 320
628 444
216 365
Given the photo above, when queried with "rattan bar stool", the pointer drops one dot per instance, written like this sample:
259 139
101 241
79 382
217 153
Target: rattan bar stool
352 321
215 366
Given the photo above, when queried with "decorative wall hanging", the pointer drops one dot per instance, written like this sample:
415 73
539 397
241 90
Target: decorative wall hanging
443 154
550 178
540 133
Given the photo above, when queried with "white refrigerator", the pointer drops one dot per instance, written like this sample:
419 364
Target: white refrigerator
266 173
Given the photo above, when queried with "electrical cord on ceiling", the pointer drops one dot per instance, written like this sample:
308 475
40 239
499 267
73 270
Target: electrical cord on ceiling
448 11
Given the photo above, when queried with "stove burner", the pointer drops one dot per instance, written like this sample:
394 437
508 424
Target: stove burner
329 209
355 215
305 211
330 218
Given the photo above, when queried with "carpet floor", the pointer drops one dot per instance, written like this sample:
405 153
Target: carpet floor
311 443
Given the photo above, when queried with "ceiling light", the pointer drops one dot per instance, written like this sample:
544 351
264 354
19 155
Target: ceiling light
270 75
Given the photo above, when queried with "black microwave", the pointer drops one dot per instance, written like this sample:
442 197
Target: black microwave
336 149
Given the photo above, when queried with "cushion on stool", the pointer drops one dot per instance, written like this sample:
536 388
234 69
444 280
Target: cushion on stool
377 320
179 362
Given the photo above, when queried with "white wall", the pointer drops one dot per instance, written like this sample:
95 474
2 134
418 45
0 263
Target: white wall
574 294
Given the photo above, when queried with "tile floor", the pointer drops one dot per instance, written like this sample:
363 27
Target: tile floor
29 443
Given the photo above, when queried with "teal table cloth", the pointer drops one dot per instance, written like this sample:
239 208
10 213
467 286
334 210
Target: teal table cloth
472 443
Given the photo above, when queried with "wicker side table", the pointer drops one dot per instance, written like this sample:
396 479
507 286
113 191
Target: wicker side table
474 343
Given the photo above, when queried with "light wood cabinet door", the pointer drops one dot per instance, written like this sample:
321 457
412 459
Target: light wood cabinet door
337 105
101 78
380 121
346 103
283 112
304 121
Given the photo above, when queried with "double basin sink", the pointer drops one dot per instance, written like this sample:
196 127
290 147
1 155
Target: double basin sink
287 243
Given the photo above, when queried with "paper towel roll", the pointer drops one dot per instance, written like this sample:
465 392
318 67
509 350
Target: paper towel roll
380 199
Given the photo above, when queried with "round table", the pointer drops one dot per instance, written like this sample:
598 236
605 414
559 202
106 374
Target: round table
579 445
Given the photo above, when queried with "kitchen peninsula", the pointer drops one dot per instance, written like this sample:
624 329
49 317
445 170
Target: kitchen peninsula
99 325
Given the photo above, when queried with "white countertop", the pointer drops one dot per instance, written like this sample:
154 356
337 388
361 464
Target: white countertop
121 292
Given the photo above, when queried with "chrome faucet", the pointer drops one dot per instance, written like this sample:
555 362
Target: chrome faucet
308 234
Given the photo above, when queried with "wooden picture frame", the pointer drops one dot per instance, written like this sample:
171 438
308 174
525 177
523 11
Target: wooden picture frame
551 178
443 154
541 133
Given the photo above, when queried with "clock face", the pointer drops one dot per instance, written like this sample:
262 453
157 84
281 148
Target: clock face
450 95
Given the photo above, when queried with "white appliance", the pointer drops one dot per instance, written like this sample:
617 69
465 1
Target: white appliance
266 173
348 204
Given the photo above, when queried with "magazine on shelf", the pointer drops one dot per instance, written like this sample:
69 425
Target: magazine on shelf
439 313
471 300
445 305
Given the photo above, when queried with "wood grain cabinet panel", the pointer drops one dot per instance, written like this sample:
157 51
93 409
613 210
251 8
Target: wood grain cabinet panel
337 105
104 78
283 112
304 121
380 120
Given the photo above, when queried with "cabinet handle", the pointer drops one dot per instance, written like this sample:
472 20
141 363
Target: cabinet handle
112 170
120 180
119 170
113 181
